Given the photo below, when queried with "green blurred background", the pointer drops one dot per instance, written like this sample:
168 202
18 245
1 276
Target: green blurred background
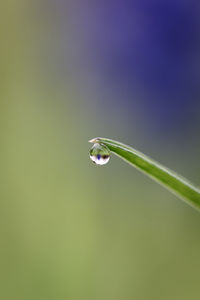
69 229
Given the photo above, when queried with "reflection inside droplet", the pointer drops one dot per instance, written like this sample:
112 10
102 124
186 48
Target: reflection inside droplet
100 154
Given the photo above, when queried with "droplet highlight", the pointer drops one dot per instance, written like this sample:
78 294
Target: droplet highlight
100 154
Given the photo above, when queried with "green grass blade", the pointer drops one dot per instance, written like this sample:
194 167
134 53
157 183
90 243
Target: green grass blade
174 182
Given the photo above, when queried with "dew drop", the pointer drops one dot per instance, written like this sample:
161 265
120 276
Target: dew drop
100 154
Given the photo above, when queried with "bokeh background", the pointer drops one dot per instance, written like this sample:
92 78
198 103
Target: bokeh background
70 71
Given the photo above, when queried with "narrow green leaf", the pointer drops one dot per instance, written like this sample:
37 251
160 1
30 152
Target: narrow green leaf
174 182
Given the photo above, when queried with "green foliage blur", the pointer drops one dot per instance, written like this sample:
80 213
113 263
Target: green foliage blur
68 229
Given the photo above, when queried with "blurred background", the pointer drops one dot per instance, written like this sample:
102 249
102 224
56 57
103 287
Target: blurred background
70 71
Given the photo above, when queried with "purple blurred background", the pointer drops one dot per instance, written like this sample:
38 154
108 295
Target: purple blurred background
137 57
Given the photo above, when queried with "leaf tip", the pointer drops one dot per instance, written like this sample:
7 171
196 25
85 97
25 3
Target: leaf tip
95 140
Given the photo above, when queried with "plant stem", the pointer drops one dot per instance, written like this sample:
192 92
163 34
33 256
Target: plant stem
174 182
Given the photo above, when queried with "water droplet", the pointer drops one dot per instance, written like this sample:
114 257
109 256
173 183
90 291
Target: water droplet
100 154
